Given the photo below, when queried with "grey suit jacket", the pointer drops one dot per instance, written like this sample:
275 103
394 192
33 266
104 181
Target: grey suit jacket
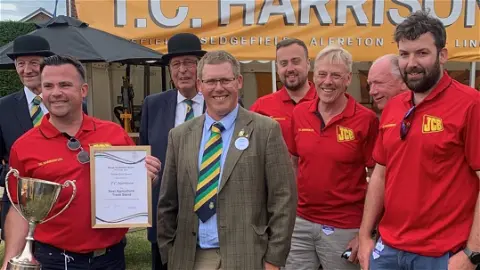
256 203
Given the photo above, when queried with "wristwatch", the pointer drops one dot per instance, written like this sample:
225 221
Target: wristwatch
473 256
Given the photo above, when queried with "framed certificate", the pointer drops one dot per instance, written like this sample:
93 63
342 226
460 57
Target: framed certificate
120 187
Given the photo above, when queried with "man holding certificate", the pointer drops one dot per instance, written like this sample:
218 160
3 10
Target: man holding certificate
228 195
57 151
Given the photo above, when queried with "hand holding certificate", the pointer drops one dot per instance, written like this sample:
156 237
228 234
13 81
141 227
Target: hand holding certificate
121 186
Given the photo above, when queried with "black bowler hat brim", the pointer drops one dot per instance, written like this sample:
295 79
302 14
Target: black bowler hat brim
167 57
44 53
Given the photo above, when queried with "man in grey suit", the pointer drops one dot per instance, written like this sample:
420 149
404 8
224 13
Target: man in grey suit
228 195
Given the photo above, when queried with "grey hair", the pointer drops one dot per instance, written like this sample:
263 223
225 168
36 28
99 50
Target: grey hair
335 54
218 57
393 59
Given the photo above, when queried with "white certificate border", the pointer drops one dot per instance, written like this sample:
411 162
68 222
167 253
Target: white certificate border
97 149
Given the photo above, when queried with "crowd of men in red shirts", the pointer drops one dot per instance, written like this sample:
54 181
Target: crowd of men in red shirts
423 151
418 210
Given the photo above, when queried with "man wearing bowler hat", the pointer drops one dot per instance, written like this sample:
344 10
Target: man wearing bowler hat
22 110
164 111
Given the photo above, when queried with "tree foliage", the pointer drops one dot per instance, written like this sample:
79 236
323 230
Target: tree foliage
9 30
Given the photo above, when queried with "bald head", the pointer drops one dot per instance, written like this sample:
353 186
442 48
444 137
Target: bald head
385 80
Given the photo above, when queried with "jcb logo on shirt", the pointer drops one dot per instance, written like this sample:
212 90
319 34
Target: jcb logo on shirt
345 134
431 124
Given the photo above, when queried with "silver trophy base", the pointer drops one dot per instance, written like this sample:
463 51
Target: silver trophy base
12 265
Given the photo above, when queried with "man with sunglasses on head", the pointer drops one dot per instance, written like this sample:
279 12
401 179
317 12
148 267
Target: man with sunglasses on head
57 150
426 181
333 139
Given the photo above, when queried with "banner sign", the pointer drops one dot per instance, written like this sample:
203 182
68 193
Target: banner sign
250 29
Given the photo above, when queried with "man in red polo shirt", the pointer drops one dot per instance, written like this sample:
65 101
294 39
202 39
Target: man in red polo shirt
426 181
333 139
57 150
293 65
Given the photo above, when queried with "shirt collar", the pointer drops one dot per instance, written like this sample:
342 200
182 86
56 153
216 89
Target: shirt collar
349 110
196 99
443 84
226 121
310 95
50 131
29 94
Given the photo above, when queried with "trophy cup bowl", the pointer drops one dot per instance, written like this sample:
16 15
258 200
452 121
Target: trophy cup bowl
36 199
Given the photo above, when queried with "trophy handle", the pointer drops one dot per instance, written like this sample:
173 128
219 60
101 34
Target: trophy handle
16 174
74 192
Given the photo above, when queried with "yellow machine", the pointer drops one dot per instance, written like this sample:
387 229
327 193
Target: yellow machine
125 112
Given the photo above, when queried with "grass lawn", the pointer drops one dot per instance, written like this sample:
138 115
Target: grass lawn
137 252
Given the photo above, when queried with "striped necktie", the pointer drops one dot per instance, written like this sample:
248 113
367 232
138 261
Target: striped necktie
207 187
189 115
36 112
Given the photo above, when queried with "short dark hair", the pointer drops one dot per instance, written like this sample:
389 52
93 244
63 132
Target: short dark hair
58 60
419 23
291 41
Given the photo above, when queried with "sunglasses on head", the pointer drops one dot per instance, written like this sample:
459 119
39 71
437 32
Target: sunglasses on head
73 144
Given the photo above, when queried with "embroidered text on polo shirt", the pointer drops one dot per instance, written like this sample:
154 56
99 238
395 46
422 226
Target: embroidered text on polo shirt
305 130
345 134
431 124
49 161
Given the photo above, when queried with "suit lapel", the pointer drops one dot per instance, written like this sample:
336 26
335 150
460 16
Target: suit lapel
192 142
171 109
233 154
22 112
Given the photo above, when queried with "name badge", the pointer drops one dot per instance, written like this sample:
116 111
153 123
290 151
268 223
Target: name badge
241 143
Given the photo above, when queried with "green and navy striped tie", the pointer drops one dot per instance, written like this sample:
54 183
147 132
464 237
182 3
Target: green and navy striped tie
207 187
36 112
189 115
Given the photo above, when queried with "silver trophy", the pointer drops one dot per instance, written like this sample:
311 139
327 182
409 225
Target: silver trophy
36 199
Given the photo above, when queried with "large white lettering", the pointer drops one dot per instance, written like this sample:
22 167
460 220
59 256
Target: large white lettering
248 11
161 20
285 8
319 9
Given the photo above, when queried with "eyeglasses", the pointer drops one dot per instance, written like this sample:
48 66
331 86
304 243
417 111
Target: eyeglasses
223 81
187 63
406 123
73 144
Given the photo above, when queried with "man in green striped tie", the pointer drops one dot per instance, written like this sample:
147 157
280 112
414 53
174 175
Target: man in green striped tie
228 195
21 110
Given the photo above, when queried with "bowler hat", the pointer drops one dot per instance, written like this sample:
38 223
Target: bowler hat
30 45
183 44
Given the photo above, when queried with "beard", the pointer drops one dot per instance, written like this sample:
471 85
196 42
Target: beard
429 79
296 85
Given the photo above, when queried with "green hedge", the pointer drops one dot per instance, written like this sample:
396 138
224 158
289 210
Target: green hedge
9 30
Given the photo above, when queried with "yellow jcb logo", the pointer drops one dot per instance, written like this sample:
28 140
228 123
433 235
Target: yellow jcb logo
345 134
431 124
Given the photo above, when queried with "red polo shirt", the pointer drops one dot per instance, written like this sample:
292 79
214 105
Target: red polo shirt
430 183
331 176
279 106
42 153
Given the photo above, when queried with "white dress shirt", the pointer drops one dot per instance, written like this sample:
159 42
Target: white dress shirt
181 109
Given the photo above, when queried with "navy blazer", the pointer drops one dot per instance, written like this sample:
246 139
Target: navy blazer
14 122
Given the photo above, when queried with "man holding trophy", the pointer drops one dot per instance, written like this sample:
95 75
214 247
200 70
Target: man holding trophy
58 151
